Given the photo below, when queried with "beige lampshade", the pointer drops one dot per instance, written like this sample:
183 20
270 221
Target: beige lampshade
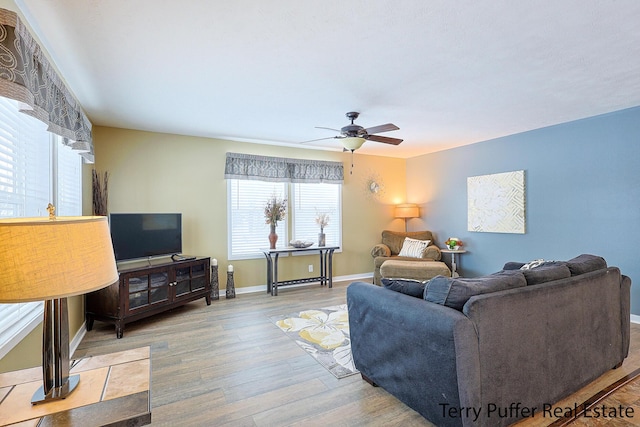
41 259
352 142
407 211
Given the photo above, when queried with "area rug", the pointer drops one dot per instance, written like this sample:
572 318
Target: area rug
324 334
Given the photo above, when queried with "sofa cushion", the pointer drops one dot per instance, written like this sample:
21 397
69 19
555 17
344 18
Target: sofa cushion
415 288
585 263
413 248
455 292
395 239
546 272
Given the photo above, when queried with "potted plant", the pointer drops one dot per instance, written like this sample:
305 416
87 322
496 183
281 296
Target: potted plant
453 243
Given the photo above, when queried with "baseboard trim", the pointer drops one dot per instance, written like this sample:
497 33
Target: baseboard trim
263 288
77 338
635 318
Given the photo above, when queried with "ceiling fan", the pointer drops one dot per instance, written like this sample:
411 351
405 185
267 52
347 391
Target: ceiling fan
353 136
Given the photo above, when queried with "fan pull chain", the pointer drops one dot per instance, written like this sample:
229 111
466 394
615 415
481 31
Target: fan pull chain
351 171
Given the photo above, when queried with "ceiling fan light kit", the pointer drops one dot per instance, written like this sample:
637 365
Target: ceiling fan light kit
352 143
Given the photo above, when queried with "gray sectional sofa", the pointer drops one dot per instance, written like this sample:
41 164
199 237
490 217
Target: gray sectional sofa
492 350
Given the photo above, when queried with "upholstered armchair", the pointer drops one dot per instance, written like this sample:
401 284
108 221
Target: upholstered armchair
391 245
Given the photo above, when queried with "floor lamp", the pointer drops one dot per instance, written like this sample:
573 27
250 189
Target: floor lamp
407 211
51 259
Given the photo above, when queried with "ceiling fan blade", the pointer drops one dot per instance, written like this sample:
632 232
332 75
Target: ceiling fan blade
321 127
382 128
319 139
384 139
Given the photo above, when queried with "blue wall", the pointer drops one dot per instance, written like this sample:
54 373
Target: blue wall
582 183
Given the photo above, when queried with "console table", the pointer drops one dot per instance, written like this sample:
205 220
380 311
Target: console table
114 390
326 266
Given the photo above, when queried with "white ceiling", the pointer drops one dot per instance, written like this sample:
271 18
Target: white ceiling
448 73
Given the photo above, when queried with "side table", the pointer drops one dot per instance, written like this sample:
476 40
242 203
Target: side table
114 390
453 253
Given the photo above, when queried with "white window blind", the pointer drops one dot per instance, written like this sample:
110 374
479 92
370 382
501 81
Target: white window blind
308 200
68 180
248 232
27 165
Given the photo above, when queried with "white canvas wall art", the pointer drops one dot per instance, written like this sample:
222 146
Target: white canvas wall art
496 203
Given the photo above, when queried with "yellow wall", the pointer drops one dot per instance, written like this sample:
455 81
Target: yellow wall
154 172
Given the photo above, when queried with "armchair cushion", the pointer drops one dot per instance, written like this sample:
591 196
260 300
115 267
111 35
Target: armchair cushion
380 250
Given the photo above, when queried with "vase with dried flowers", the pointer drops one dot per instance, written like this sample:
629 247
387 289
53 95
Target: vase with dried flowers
322 219
274 211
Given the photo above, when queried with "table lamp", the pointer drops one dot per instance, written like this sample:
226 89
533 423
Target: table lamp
51 259
406 211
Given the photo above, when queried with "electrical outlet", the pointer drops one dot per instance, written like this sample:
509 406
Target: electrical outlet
310 268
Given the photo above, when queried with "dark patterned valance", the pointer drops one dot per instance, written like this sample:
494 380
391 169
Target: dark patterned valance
278 169
27 76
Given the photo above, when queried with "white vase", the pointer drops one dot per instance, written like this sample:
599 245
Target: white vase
321 239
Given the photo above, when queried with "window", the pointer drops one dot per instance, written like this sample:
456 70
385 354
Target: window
247 199
247 229
35 169
307 201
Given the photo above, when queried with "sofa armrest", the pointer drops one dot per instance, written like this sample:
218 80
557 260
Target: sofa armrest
432 252
380 250
625 313
425 354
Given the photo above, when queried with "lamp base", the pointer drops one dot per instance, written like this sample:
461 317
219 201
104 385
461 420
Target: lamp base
57 384
56 393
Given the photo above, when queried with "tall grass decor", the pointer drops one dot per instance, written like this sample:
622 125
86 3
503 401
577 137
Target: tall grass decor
100 186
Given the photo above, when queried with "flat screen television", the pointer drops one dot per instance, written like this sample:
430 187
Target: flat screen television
143 235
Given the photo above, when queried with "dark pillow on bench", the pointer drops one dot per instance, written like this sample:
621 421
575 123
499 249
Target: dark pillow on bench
585 263
415 288
455 292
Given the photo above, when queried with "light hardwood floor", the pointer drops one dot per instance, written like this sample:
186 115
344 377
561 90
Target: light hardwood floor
228 364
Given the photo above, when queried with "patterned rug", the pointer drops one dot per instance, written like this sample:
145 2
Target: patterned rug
324 334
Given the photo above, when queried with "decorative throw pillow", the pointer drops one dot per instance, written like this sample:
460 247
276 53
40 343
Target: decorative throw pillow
413 248
533 264
415 288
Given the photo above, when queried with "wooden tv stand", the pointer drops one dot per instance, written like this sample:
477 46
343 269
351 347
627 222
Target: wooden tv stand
147 288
